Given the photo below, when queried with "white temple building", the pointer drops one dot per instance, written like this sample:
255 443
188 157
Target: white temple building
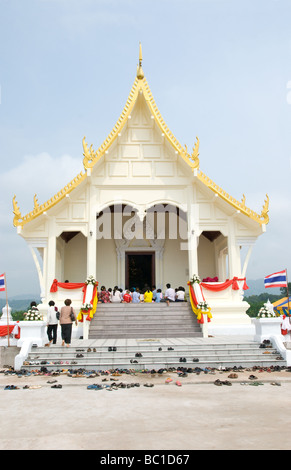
143 212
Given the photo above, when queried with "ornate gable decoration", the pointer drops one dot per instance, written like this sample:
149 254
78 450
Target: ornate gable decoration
91 157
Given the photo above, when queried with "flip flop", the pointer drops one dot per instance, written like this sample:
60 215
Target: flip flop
178 383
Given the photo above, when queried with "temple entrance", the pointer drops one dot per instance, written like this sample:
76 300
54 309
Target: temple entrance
139 269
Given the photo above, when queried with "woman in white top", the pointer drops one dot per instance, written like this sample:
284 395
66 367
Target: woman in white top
116 295
52 323
180 295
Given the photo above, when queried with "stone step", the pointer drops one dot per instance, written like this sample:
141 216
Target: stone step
143 321
215 355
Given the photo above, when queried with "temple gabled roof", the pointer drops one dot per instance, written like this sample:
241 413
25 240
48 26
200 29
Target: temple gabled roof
91 157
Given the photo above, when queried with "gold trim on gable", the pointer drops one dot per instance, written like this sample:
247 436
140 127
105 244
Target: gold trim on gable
91 157
20 220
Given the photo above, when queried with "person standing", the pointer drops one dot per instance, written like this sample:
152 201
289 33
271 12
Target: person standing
67 317
52 323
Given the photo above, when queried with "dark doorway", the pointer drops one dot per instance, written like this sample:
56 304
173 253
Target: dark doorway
139 270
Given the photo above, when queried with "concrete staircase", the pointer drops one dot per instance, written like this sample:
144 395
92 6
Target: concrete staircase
144 321
150 336
153 354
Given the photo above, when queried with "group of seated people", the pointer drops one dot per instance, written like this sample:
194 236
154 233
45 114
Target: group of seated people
146 295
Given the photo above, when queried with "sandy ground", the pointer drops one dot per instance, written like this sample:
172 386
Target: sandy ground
249 414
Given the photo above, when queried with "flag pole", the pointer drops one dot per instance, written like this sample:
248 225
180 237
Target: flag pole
287 293
7 310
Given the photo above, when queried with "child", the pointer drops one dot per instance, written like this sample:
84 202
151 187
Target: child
159 295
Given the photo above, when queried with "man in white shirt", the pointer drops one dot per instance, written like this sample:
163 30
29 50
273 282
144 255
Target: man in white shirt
169 294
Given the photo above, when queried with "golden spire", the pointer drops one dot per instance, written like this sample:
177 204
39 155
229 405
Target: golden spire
139 73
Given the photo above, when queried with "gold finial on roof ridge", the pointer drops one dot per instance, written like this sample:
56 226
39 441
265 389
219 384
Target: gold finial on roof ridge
139 73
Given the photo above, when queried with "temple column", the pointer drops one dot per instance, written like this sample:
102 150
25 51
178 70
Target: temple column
91 233
193 232
234 262
50 256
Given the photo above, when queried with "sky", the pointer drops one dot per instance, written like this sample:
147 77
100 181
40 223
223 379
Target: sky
218 69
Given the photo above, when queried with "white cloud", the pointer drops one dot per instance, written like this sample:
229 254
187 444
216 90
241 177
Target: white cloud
36 174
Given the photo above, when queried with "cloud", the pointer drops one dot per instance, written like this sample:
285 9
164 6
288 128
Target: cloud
36 174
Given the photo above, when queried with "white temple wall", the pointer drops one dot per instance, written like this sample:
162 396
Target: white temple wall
75 256
206 258
106 267
175 264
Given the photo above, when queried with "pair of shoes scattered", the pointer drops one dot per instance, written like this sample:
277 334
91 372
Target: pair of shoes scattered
138 354
11 387
232 376
195 359
133 361
182 374
276 383
95 387
57 386
170 349
222 382
112 348
148 385
182 359
252 377
168 380
79 355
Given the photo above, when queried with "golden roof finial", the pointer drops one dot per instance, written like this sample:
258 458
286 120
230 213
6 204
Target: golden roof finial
16 212
139 73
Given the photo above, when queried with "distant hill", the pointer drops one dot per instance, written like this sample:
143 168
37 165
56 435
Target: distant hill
257 287
19 302
22 301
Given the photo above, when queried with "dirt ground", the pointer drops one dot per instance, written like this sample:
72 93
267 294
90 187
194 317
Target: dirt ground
148 412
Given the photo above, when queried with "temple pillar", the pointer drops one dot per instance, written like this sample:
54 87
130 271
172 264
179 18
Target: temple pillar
91 234
193 232
234 261
51 255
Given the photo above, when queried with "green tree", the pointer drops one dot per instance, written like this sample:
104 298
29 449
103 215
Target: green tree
283 290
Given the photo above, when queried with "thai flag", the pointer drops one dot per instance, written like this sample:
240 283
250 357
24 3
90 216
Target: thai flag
2 282
276 279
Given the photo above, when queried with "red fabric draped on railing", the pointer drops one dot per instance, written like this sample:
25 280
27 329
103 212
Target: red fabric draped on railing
4 330
224 285
66 285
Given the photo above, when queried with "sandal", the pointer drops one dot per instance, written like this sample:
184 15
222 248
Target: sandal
218 382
